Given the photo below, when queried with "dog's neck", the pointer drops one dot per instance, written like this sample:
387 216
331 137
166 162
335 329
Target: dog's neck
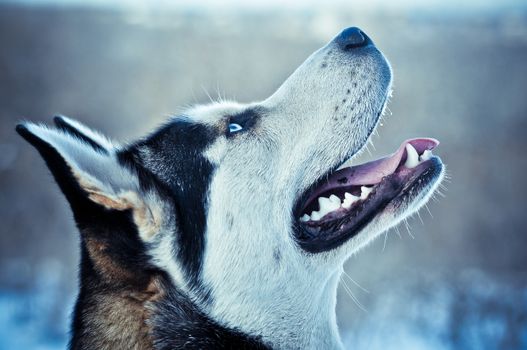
122 309
312 326
178 323
126 306
268 289
306 320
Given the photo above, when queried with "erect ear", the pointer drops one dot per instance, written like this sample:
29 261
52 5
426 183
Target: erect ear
87 168
95 139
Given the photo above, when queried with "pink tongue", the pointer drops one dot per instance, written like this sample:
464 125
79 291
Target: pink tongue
373 172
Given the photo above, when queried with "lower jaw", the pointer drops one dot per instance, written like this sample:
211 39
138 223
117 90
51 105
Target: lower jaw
327 235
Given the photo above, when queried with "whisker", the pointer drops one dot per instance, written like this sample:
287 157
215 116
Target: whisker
372 145
420 218
428 209
352 296
440 193
221 97
398 232
408 228
218 92
355 283
368 150
207 93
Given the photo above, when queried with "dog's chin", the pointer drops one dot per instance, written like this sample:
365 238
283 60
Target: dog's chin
342 203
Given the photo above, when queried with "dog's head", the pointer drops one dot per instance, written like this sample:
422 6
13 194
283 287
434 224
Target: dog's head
243 205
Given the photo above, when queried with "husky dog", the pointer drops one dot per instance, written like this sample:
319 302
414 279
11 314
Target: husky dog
228 226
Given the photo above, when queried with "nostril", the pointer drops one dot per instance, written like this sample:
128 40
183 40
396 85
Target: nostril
351 38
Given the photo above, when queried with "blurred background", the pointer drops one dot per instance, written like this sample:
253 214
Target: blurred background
457 280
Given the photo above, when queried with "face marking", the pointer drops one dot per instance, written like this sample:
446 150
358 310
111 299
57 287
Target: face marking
175 154
245 121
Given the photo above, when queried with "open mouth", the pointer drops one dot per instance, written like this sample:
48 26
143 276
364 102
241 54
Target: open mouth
338 206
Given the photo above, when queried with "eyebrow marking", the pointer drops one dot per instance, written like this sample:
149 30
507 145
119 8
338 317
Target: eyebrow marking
247 119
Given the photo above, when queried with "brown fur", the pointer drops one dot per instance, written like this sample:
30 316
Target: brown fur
108 269
114 314
147 218
118 319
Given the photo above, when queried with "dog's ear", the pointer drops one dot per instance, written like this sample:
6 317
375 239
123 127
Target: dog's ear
82 132
87 168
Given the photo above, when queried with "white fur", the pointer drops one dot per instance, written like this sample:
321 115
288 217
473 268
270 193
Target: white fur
92 134
289 301
102 169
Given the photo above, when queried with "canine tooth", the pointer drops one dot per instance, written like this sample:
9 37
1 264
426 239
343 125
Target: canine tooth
349 199
305 218
427 154
412 158
315 216
365 191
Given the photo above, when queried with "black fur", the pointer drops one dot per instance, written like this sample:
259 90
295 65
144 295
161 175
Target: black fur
67 128
248 119
179 163
178 324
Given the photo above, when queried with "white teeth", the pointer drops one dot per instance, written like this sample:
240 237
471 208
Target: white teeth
327 205
315 216
323 203
349 199
412 158
334 199
365 191
427 154
349 196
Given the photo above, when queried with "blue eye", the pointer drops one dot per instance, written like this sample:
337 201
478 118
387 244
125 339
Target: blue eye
233 127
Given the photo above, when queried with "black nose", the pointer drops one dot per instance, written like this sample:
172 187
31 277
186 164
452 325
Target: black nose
351 38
